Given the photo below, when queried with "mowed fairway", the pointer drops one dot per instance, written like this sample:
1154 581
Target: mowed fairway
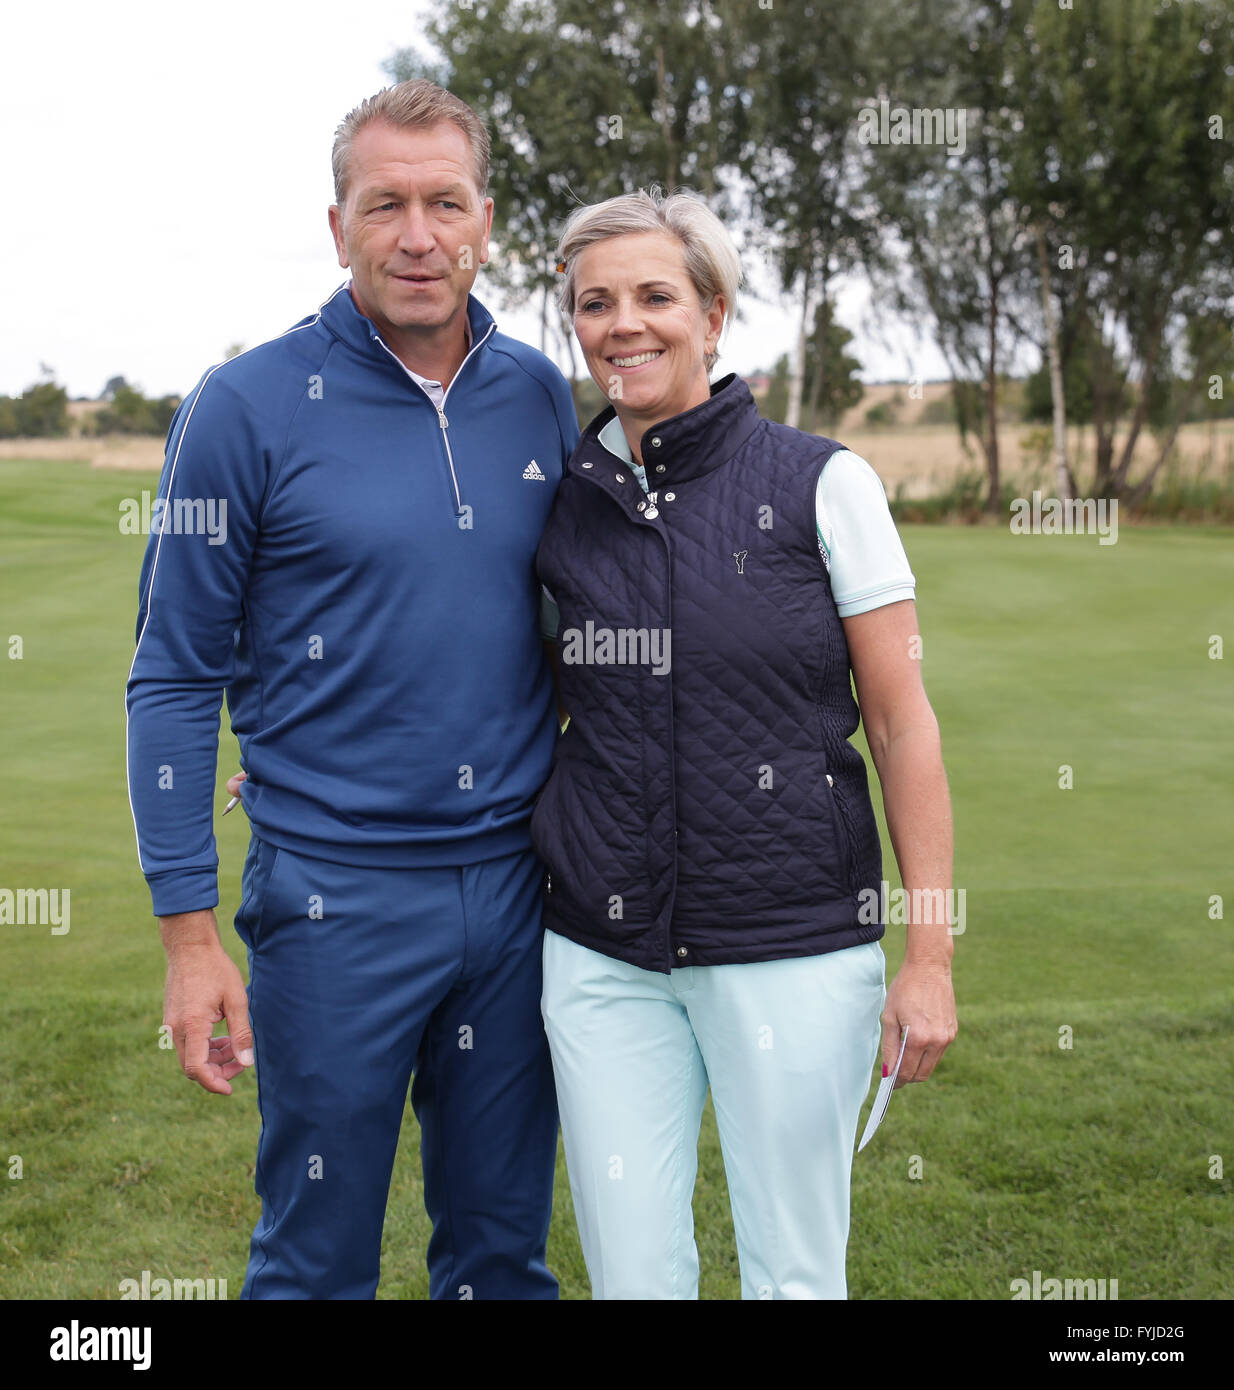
1086 910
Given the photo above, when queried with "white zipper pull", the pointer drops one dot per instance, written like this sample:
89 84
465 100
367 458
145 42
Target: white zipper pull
441 419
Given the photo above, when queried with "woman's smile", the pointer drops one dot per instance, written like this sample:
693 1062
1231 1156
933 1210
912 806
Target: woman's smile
631 362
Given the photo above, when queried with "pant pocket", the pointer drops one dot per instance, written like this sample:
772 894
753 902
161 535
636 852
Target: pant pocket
870 962
255 883
882 962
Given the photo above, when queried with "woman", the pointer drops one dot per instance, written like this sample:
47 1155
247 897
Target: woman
712 852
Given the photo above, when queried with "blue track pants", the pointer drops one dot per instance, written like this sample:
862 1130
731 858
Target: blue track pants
358 978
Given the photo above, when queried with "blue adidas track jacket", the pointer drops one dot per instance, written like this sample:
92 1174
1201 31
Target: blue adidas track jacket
356 570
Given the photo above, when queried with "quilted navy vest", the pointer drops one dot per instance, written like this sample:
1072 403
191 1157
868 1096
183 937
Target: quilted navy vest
705 805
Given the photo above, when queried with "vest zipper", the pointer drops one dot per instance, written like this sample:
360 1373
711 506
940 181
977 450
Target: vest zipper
672 755
440 409
672 748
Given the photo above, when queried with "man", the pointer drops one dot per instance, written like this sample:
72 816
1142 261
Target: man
371 610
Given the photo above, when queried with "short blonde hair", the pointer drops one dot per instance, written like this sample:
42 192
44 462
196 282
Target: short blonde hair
711 259
417 103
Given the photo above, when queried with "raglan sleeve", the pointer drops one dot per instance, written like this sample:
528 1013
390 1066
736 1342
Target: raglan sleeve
191 599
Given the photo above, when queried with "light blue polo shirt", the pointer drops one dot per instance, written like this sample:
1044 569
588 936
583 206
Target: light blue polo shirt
857 537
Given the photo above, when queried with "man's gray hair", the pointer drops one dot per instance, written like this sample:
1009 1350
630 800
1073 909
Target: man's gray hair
711 259
415 104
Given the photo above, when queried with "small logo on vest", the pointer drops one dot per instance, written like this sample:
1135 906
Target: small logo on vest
740 557
533 471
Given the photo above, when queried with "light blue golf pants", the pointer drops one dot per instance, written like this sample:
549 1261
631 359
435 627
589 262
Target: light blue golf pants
788 1048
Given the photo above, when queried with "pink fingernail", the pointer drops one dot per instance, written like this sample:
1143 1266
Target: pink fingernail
884 1068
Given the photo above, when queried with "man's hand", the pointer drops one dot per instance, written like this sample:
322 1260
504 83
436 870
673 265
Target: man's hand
204 986
920 998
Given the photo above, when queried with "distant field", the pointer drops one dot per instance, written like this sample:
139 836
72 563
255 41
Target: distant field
924 459
917 459
1087 921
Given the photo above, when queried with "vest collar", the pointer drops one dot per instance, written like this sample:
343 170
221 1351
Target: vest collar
684 446
347 323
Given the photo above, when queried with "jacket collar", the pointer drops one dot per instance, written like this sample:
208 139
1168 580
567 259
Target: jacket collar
684 446
349 325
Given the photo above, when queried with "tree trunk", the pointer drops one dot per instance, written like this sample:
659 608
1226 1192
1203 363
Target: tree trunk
666 126
1119 479
797 368
814 398
1144 487
1105 413
991 452
1062 474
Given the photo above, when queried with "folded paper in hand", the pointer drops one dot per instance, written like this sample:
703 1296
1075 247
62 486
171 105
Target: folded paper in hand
883 1098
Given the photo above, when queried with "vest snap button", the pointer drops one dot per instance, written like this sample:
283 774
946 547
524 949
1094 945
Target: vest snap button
655 441
621 477
651 513
670 496
682 952
642 506
660 467
830 783
587 465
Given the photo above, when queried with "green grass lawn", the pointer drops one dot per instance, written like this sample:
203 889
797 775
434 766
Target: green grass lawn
1087 909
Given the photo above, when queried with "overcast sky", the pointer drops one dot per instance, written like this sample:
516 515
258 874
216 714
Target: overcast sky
166 179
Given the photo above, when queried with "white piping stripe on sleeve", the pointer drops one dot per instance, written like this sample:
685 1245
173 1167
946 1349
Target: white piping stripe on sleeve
171 479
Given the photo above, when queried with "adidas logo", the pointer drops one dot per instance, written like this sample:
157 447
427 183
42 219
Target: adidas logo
533 471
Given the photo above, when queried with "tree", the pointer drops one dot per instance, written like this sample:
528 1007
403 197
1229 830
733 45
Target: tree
1064 482
128 413
804 78
831 372
775 402
952 207
1078 371
1127 164
132 413
8 418
582 101
40 411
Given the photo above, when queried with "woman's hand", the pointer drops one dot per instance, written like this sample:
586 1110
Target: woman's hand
921 999
233 783
885 652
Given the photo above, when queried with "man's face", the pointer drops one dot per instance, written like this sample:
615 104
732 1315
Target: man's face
413 229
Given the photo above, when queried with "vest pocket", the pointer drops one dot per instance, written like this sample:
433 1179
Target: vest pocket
840 822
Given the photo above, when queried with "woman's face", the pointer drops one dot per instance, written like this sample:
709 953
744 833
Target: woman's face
643 332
